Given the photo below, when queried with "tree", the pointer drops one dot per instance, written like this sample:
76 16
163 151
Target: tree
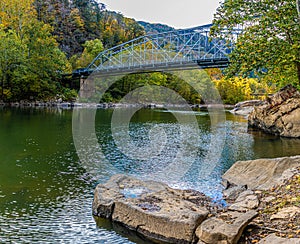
30 60
298 8
91 50
45 62
270 43
12 56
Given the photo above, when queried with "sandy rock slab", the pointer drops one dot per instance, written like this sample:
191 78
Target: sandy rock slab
246 107
286 213
226 229
261 174
150 208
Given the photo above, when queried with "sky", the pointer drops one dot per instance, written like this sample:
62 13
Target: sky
175 13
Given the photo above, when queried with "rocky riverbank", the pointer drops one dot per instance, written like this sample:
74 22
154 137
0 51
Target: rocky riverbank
263 199
62 104
279 114
246 107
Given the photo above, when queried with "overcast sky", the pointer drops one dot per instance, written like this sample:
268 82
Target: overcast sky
175 13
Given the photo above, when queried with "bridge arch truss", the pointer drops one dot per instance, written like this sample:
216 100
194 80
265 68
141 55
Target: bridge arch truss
179 49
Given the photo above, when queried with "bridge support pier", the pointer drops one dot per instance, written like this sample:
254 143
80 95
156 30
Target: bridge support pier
87 87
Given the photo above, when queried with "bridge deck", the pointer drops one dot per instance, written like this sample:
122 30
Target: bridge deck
155 67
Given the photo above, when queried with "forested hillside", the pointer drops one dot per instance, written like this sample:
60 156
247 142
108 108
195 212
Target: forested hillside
43 39
75 22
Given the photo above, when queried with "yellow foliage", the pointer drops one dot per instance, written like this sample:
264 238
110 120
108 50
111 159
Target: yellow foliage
239 89
15 14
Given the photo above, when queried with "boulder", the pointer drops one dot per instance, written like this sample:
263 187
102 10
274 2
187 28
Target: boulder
279 115
226 229
150 208
273 239
286 213
230 193
261 174
246 107
245 201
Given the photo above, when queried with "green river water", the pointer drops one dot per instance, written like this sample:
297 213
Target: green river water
46 192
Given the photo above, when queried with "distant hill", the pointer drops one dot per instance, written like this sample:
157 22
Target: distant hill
151 28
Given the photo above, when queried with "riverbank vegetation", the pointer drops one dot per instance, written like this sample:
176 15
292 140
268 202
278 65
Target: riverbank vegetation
269 47
41 41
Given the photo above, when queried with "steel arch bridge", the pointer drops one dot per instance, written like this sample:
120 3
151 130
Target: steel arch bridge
180 49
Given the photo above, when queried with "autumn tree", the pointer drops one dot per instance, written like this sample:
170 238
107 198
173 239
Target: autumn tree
269 46
91 50
30 60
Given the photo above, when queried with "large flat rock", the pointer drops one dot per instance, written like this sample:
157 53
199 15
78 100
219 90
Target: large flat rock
150 208
261 174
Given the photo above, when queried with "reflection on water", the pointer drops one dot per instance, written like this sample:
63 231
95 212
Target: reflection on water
46 193
264 143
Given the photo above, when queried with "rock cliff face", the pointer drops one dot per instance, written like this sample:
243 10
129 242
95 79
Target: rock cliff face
280 114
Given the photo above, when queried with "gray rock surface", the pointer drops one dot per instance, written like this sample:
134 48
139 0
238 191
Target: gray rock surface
261 174
231 193
286 213
273 239
151 208
227 229
246 200
280 115
117 188
246 107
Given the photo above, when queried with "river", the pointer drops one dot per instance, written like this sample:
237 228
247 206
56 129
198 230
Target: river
46 191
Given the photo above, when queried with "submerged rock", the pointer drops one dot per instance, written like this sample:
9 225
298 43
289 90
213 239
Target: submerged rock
279 115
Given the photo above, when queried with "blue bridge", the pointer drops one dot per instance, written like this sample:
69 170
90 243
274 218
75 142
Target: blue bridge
175 50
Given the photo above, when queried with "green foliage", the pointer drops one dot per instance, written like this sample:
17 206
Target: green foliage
270 44
195 87
155 28
91 50
117 29
69 95
75 22
30 60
